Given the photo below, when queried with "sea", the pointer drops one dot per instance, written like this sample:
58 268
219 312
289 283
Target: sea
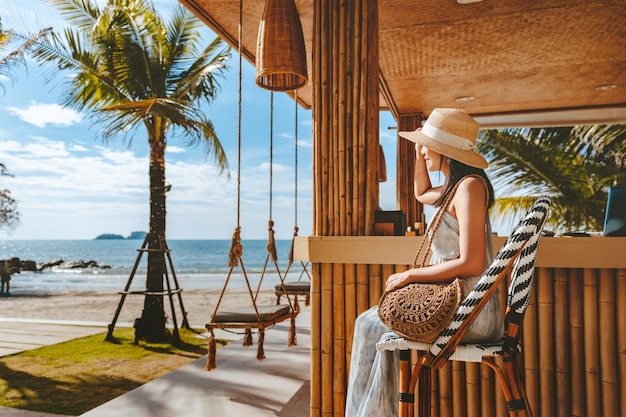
197 265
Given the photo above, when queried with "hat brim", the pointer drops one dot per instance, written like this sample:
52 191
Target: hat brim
468 157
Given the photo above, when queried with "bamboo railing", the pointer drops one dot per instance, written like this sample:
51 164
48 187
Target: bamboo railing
573 340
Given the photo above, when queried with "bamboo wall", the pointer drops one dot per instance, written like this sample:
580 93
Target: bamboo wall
345 117
405 164
573 337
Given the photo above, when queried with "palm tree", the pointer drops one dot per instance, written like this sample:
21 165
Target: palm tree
132 69
574 165
10 57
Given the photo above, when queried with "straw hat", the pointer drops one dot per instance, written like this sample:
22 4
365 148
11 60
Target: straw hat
450 132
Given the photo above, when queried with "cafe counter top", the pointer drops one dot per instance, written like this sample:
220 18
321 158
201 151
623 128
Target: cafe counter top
593 251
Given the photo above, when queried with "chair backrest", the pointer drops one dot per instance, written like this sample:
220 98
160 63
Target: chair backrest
520 288
518 252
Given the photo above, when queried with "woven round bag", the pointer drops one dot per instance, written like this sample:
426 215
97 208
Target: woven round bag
421 311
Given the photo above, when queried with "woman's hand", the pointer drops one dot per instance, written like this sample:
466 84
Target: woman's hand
397 280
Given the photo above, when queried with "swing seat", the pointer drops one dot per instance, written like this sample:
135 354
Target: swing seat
295 289
247 315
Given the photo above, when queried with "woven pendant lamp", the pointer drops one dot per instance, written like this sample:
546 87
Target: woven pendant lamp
281 54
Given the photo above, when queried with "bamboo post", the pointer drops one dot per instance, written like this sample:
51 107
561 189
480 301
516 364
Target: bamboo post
405 166
358 155
621 335
316 337
434 393
343 133
385 272
458 389
472 386
339 338
608 354
327 340
545 301
530 340
350 310
592 361
444 377
487 391
375 283
577 342
371 109
561 342
362 289
320 94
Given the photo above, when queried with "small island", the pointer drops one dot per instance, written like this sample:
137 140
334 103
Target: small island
111 236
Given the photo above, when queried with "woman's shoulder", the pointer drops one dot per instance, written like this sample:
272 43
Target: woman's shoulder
472 190
472 183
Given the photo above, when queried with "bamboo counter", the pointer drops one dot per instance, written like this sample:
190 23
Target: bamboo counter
574 331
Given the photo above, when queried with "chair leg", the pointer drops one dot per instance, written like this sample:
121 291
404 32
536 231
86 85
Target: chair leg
425 382
406 397
512 387
518 406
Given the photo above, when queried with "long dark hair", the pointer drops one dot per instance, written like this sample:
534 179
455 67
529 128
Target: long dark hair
459 170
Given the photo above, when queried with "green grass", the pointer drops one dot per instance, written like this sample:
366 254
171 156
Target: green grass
73 377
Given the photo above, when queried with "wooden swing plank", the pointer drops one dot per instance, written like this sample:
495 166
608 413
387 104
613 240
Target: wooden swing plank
299 287
247 315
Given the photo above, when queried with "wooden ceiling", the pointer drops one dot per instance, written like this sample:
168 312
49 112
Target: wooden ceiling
525 63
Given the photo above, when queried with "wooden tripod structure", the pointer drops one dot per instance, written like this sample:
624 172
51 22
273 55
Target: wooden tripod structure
169 291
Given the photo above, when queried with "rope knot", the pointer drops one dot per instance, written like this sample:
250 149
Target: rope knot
236 250
271 242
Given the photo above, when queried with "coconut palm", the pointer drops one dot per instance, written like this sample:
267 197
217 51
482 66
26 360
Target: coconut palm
574 165
133 70
11 53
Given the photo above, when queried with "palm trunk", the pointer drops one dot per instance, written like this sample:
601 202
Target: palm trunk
152 324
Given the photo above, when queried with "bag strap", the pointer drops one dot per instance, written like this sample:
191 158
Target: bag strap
438 217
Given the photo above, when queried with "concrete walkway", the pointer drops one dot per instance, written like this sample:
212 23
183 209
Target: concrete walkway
17 335
240 386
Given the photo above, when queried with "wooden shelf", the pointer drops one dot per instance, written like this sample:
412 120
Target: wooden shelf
594 251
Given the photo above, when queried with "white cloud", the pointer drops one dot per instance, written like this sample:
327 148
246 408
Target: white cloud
78 148
68 191
175 149
41 115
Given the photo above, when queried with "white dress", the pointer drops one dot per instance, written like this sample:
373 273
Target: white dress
373 381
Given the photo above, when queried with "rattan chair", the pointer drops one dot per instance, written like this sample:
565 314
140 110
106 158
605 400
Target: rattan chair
517 254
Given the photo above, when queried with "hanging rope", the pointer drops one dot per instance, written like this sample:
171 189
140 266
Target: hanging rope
270 316
295 197
271 243
306 289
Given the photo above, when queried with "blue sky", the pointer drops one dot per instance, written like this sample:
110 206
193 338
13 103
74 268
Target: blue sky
71 185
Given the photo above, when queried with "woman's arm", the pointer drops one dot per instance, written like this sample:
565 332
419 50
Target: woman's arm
424 192
469 207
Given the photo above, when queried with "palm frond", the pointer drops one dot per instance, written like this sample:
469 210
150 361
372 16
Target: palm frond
81 14
569 164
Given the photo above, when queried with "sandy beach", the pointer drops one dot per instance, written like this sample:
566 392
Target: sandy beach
100 307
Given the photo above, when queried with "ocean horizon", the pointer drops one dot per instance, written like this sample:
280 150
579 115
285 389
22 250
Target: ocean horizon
198 264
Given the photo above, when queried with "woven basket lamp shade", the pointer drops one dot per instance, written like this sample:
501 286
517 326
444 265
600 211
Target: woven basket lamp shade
281 54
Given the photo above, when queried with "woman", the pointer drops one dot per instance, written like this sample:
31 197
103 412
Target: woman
461 247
